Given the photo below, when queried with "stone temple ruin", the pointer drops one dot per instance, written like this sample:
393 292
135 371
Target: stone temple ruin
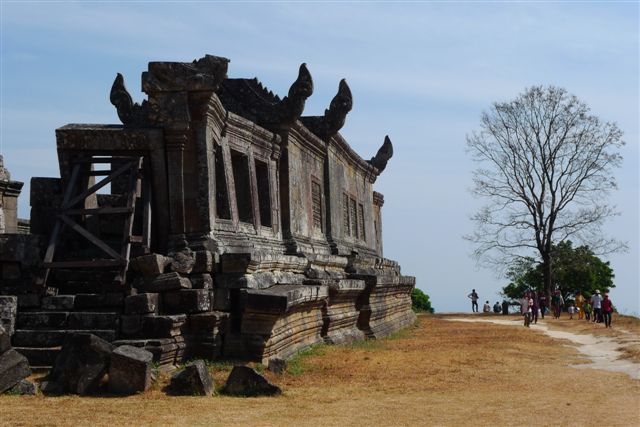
216 222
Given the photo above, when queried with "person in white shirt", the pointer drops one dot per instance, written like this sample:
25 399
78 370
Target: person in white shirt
596 303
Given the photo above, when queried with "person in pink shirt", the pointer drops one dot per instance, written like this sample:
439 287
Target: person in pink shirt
607 310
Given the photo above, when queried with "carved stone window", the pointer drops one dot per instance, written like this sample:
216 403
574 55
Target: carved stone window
240 166
316 201
222 195
346 223
353 217
264 193
362 235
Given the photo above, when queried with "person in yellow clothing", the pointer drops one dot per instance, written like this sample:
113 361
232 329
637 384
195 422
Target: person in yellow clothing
580 304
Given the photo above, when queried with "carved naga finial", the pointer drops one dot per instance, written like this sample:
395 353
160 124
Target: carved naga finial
131 114
379 161
292 106
336 114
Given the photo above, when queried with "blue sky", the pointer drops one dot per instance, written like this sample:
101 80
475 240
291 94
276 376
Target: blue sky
420 72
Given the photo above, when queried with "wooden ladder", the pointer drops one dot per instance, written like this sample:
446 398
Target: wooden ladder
72 197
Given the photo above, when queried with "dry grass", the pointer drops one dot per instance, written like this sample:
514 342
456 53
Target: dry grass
436 373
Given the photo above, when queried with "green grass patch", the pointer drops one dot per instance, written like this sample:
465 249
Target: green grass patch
297 364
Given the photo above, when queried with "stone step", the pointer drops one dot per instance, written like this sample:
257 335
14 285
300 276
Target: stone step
84 320
53 338
40 357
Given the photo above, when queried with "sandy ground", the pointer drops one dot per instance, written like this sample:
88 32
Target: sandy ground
438 373
601 351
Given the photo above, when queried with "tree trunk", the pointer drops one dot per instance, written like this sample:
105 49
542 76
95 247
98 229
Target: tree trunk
547 276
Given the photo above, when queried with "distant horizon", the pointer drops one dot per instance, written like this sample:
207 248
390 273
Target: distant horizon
420 72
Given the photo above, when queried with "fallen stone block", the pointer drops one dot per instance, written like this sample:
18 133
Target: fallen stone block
244 381
8 312
130 370
141 304
277 365
13 368
5 340
164 282
193 380
203 262
187 301
24 388
81 364
150 265
201 281
182 261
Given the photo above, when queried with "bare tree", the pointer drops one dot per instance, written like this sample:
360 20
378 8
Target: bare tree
546 168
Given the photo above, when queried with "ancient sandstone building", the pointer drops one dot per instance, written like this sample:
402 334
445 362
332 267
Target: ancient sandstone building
217 221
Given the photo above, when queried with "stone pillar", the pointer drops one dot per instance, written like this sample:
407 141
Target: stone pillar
9 192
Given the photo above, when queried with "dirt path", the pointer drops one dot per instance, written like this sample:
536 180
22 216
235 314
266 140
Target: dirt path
602 351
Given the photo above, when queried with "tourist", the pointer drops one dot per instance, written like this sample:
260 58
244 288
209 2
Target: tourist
525 308
596 302
505 307
542 304
571 310
556 303
580 305
486 308
587 310
607 310
496 308
474 301
534 307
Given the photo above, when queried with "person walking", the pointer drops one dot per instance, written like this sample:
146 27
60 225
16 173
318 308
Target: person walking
596 302
525 308
534 307
587 310
542 303
580 305
474 301
556 303
607 310
505 308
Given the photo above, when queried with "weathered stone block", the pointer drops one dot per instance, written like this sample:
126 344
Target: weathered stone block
24 388
162 326
58 302
5 340
130 370
244 381
41 319
13 368
183 261
201 281
203 262
8 312
277 365
131 324
141 303
151 265
208 321
91 301
193 380
28 301
81 364
93 320
187 301
221 299
165 282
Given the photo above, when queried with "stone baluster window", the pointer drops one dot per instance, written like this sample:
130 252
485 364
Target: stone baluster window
264 193
316 200
240 166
